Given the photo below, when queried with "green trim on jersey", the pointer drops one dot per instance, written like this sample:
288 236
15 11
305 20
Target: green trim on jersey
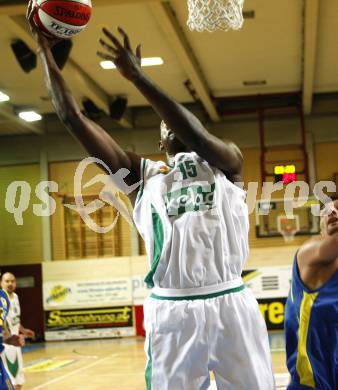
143 168
158 245
149 368
205 296
13 368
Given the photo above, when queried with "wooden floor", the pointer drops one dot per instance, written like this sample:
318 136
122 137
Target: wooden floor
96 364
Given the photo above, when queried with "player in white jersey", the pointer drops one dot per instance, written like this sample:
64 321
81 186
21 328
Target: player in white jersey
199 316
193 218
12 355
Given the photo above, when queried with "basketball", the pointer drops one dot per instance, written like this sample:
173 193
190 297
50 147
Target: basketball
62 18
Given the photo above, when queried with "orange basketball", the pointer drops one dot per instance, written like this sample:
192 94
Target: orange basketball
62 18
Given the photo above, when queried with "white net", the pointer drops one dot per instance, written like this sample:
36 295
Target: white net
288 227
289 234
214 15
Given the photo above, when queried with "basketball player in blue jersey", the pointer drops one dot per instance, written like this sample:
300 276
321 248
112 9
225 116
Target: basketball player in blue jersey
18 341
311 318
194 221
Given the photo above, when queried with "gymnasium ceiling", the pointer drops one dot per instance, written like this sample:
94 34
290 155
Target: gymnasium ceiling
291 45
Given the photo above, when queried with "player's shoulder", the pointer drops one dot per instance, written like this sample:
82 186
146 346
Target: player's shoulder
235 179
307 249
4 299
151 168
310 243
16 297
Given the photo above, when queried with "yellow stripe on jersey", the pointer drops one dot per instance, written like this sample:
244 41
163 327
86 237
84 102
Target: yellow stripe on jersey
6 293
291 293
303 365
9 385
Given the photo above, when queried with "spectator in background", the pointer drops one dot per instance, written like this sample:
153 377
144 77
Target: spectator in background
12 355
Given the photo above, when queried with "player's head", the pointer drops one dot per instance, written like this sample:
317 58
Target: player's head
169 142
8 282
329 218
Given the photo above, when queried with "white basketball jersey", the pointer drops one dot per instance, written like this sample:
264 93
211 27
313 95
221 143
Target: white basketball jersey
194 222
13 318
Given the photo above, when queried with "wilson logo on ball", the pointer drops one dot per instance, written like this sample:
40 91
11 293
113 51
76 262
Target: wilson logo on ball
62 18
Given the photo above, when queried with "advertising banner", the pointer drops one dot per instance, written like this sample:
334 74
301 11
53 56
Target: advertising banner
89 323
268 282
84 294
140 290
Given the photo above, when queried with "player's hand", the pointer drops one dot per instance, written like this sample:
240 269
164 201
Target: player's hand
17 341
126 61
41 39
29 333
29 16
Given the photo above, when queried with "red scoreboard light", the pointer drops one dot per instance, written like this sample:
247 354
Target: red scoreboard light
285 173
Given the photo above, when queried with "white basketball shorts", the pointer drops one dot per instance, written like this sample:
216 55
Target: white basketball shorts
224 333
12 360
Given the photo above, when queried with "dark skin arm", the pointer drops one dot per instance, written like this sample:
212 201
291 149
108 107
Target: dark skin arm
188 129
93 137
27 332
17 341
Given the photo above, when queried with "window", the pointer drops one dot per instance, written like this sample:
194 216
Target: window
82 242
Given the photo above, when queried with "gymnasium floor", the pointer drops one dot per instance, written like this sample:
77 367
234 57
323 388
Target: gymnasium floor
106 364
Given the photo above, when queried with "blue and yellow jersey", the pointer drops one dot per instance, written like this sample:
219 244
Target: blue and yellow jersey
311 331
4 308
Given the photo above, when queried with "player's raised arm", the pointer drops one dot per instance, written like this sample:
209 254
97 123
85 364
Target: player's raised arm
324 249
188 129
95 139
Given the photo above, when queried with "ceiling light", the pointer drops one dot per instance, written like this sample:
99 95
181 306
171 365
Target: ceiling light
107 65
148 61
30 116
3 97
151 61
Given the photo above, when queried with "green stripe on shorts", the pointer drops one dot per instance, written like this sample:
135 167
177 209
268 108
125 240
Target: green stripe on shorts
149 368
205 296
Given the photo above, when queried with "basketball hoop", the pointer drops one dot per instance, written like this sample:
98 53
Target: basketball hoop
214 15
288 227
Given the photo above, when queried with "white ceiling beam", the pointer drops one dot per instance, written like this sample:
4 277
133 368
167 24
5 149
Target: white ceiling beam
181 47
20 9
6 110
72 72
309 52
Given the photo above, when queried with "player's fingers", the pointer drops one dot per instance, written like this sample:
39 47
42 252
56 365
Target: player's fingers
30 6
138 52
109 48
105 56
33 6
29 11
115 41
125 38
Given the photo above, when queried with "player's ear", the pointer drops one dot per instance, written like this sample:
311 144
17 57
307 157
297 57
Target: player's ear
160 146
